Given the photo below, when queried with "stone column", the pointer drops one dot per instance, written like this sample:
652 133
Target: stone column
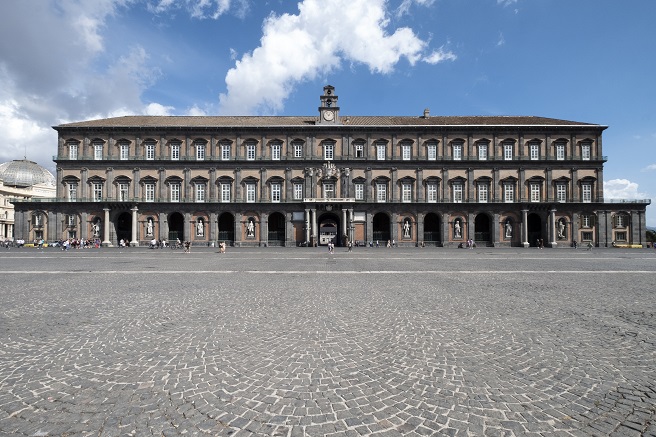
84 217
549 186
212 185
105 224
471 231
524 235
163 227
496 230
186 232
351 232
307 226
213 228
344 227
135 237
420 186
264 230
552 228
574 227
446 228
315 234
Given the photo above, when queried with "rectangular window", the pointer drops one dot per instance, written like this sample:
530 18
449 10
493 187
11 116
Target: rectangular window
359 150
328 191
97 191
586 236
250 152
585 151
328 151
457 152
149 192
431 193
72 192
561 193
620 236
381 193
298 150
508 152
275 193
482 152
586 193
585 221
150 151
380 152
225 152
72 151
298 191
200 192
225 192
359 191
457 193
98 152
431 151
70 220
619 221
560 151
175 192
250 193
124 152
482 193
534 150
405 152
123 191
200 152
275 152
535 192
175 152
406 193
509 193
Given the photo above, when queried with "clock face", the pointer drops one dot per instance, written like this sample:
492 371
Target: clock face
328 115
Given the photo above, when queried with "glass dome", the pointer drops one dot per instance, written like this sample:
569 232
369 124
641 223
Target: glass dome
24 173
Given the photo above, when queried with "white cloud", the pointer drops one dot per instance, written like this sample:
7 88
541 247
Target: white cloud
506 2
200 9
299 47
650 167
622 189
404 8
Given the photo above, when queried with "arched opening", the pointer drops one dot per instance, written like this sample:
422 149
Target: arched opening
329 229
123 227
381 228
482 229
534 229
432 233
226 228
276 229
176 226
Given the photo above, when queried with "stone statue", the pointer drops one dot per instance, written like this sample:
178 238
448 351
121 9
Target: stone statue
456 229
149 227
508 229
250 229
406 229
200 229
561 229
95 229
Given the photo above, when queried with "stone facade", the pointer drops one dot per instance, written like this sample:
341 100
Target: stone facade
260 181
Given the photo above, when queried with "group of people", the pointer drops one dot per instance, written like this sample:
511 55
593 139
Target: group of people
157 244
469 244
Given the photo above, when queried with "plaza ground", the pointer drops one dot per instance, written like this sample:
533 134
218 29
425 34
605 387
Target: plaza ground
297 342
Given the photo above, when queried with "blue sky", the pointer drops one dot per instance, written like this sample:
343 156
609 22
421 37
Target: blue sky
585 60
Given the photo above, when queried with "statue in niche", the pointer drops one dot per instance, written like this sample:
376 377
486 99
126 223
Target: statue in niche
95 229
200 228
406 228
456 229
250 228
149 227
561 229
508 229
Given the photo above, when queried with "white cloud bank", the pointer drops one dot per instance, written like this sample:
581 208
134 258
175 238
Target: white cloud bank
622 189
296 48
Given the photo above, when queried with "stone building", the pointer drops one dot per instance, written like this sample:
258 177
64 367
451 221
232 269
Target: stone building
21 179
297 180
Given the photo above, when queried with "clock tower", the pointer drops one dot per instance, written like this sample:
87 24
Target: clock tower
328 111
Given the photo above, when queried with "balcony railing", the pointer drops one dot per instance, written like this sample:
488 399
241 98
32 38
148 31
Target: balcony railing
343 158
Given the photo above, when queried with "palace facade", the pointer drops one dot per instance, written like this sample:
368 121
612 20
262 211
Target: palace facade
304 180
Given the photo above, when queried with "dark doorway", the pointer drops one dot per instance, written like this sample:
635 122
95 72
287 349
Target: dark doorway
381 225
534 227
176 226
124 228
432 232
482 229
276 229
329 229
226 228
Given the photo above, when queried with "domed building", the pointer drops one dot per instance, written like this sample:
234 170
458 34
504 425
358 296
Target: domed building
21 179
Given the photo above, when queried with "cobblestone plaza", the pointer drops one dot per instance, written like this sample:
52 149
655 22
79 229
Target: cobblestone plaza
297 342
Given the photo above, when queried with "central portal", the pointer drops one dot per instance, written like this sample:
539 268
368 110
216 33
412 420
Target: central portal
329 229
